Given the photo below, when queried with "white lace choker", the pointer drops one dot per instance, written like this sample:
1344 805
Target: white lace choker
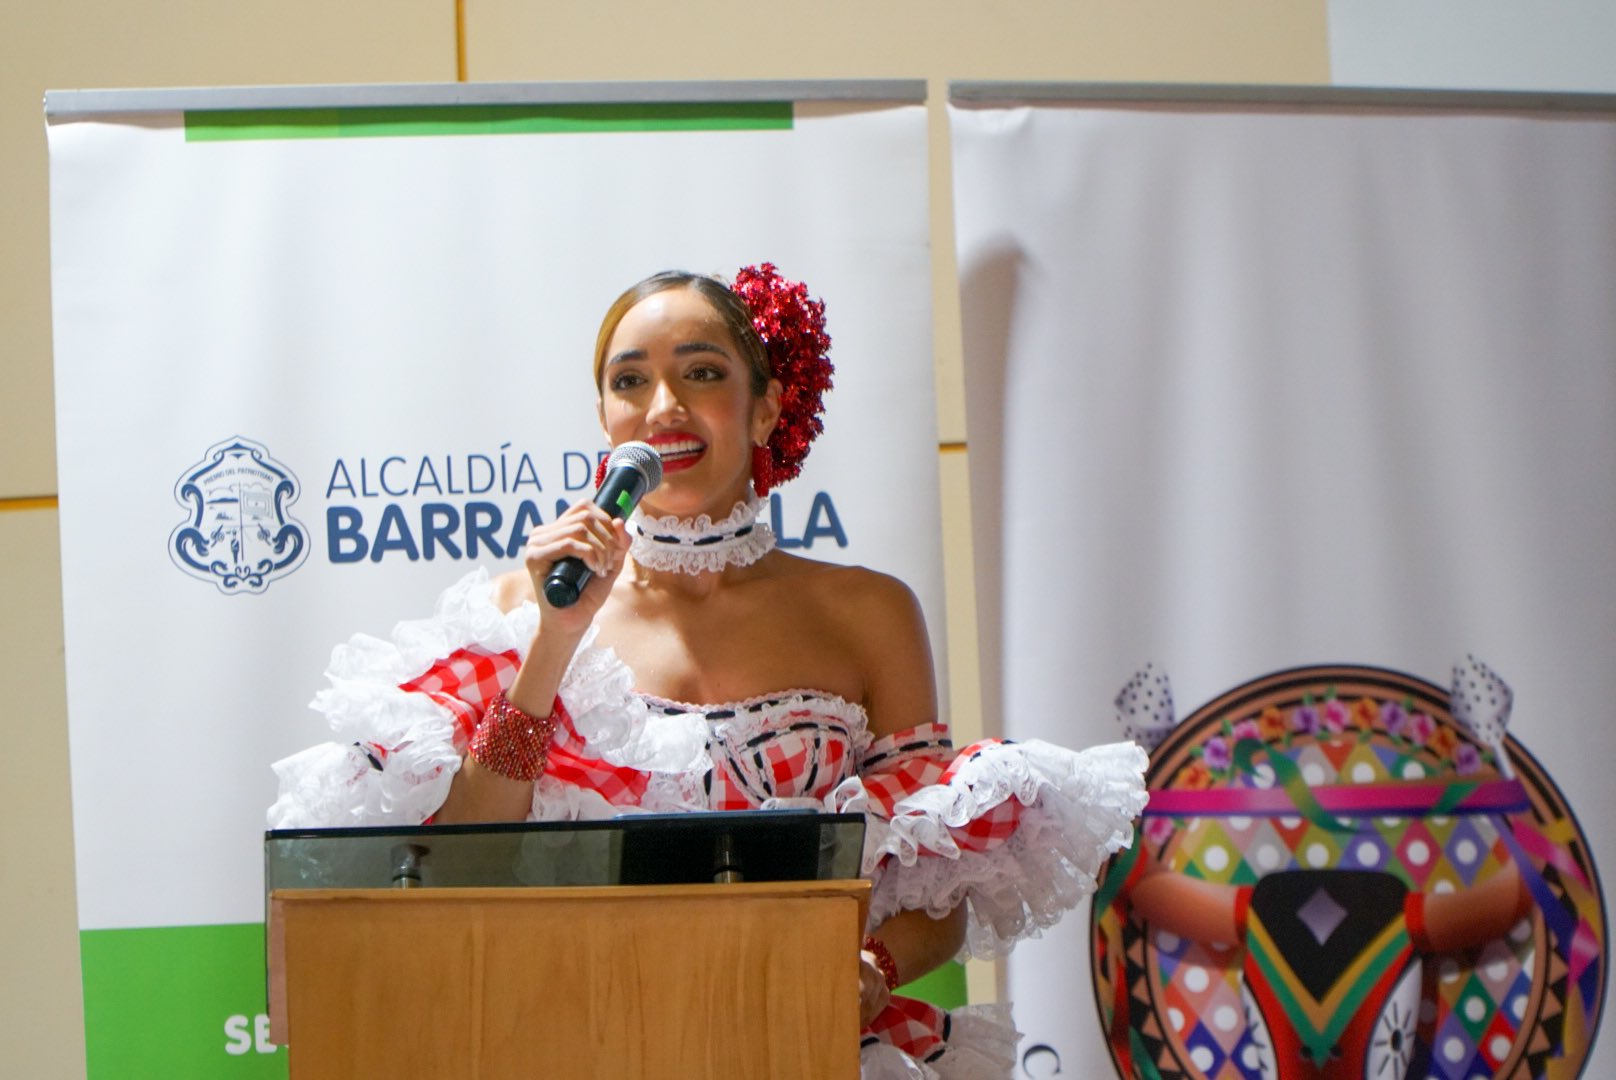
701 546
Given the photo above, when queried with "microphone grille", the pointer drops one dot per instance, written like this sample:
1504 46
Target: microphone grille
640 457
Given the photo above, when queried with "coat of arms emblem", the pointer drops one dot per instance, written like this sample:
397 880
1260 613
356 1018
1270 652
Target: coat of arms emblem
237 532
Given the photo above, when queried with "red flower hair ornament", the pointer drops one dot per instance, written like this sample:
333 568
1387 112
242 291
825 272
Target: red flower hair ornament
792 326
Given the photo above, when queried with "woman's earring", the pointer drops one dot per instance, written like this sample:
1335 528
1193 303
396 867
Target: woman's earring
762 469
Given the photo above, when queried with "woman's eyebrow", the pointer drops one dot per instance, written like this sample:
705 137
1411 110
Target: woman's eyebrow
688 347
684 348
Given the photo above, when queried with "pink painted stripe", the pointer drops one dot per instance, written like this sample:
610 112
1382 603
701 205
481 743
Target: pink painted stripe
1344 800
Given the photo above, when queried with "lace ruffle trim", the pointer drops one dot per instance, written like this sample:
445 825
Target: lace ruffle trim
336 784
1078 810
683 546
981 1046
617 725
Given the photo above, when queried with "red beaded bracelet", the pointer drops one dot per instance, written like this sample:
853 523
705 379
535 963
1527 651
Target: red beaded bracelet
883 960
511 742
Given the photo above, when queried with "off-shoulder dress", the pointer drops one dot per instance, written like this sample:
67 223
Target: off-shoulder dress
1018 831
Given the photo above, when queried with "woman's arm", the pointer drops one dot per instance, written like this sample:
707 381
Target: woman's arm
585 531
917 944
900 693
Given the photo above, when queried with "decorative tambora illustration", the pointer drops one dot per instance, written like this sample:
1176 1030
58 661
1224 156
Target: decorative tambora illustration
1347 872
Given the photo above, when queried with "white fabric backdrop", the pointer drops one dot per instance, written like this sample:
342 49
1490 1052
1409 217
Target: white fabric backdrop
1254 389
351 300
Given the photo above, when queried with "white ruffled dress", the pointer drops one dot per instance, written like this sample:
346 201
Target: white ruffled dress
1017 831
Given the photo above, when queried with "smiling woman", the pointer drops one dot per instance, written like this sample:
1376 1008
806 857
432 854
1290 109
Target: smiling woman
675 376
704 668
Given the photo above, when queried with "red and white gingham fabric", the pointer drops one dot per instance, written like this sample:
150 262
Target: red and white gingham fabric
898 765
464 682
785 752
993 826
617 784
903 764
918 1028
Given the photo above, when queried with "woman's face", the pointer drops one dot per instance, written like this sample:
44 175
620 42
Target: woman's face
673 377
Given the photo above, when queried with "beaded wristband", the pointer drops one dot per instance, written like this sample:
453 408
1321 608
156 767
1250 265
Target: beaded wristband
883 960
510 742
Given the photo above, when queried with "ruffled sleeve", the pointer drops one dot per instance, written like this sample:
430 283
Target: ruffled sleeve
1019 830
404 709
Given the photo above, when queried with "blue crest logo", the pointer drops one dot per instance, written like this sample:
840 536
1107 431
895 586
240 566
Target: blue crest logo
237 533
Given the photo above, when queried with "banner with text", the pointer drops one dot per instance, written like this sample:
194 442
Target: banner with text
348 349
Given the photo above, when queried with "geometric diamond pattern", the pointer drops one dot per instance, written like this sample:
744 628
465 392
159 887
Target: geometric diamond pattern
1466 850
1474 1007
1362 765
1452 1050
1321 914
1502 1006
1431 854
1314 762
1216 854
1496 1043
1417 852
1367 851
1204 1050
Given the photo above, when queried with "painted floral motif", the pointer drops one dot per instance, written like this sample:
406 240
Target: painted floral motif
1329 720
1272 724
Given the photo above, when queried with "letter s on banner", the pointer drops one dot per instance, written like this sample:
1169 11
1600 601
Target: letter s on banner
237 1039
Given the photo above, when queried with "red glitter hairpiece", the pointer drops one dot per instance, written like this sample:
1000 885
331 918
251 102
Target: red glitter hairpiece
792 326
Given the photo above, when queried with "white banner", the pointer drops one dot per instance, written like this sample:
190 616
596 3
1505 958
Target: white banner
352 346
1257 389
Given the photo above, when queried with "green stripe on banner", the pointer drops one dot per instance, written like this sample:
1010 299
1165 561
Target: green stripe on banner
944 987
177 1003
227 125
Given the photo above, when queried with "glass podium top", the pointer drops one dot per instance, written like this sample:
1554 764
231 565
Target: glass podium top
638 849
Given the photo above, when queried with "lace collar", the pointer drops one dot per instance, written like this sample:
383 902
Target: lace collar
701 546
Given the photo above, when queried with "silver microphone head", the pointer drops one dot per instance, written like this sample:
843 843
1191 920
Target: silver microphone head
641 458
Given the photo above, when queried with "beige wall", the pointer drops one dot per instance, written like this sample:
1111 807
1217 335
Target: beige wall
68 44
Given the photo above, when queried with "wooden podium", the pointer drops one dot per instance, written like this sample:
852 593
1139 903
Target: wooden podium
647 981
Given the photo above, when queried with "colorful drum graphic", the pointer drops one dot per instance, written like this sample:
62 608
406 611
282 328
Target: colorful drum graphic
1345 872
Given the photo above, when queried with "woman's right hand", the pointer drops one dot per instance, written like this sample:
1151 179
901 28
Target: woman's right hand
585 532
873 993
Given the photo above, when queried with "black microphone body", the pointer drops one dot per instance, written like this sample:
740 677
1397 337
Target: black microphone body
633 471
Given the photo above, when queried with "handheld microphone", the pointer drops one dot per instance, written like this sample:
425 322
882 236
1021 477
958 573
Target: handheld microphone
633 471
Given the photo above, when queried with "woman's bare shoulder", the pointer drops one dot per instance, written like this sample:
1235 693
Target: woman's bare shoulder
512 589
879 620
856 590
